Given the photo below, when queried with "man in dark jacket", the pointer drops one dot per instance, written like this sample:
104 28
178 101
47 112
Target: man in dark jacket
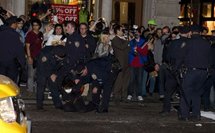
197 62
75 46
121 49
12 55
50 63
174 61
89 41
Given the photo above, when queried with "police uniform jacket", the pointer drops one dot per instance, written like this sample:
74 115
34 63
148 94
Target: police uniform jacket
90 41
197 52
11 47
75 48
98 71
48 64
176 52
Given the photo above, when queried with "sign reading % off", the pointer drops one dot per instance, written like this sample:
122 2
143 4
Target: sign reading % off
65 12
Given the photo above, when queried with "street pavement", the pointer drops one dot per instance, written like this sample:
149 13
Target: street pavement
130 117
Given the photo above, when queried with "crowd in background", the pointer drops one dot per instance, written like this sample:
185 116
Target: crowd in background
140 54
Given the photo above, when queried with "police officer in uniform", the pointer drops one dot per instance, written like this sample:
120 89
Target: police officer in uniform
75 45
12 55
50 63
174 61
89 41
97 72
197 63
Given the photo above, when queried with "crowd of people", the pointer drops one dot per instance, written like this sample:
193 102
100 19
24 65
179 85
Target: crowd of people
122 61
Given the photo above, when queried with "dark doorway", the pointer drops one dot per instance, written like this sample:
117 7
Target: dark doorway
131 13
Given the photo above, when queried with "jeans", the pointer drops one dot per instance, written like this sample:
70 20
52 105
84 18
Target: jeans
31 78
144 82
135 83
152 83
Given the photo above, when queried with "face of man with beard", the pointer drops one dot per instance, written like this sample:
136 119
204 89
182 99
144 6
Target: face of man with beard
152 27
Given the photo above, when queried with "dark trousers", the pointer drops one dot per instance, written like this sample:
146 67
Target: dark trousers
41 84
121 84
162 79
192 86
135 81
106 90
207 89
42 81
9 69
171 86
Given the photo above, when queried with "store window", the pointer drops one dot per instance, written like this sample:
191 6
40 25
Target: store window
206 10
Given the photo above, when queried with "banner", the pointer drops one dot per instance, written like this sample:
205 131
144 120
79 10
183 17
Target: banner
65 12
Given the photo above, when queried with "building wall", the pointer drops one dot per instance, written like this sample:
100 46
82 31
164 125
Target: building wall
16 6
165 12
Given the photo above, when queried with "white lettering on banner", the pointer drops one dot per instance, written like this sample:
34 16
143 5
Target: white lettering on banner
70 11
71 18
66 12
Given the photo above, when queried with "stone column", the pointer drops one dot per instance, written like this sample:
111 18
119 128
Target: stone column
148 11
19 7
107 10
15 6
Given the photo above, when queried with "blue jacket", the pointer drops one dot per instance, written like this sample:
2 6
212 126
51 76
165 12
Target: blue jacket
138 57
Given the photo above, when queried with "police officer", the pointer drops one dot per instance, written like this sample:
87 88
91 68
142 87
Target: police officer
211 79
97 72
197 63
75 46
174 61
50 63
89 41
12 55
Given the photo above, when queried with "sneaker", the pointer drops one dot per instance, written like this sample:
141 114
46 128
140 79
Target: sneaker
140 98
129 97
161 96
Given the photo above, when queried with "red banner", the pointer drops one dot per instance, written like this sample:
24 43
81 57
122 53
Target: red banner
66 12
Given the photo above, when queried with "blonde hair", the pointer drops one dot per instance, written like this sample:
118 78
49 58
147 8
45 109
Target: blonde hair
102 38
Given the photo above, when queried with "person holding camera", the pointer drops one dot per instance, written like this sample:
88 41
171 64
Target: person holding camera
121 49
137 59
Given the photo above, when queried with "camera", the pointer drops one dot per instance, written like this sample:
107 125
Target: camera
135 27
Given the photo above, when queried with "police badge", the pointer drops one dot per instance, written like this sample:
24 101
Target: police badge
44 59
183 45
77 44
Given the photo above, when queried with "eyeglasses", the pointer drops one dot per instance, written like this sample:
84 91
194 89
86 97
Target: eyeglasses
35 25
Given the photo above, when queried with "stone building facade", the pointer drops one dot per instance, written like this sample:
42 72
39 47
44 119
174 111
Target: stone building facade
165 12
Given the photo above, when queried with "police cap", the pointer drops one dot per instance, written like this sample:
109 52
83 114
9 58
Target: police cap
184 29
196 28
11 20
